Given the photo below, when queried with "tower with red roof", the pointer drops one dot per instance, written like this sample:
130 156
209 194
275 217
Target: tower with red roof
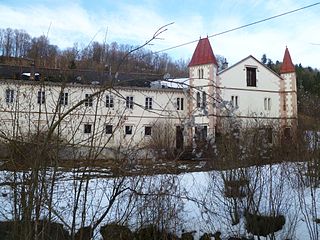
203 69
288 94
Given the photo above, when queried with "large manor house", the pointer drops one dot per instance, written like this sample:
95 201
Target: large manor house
208 103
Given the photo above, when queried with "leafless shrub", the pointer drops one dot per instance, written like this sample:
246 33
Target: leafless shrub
162 140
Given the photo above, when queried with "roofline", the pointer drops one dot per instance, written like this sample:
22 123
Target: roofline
250 56
89 86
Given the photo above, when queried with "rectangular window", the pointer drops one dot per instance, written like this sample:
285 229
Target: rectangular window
198 100
148 104
201 133
200 73
129 102
251 77
88 100
9 95
128 130
147 131
204 99
267 104
108 129
87 128
41 97
180 103
109 101
287 133
235 101
64 97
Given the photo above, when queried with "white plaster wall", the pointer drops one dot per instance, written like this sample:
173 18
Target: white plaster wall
291 95
201 85
25 116
251 99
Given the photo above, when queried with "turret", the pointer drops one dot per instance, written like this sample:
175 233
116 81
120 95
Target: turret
203 70
288 95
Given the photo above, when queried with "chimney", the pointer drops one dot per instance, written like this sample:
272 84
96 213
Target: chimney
224 64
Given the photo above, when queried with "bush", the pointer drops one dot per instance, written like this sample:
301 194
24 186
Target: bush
115 231
46 230
263 225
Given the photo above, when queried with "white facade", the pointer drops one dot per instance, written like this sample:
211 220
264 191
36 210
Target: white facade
260 100
111 118
127 117
247 94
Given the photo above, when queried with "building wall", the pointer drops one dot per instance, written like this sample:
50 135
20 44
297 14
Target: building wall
202 92
261 102
228 96
289 96
22 115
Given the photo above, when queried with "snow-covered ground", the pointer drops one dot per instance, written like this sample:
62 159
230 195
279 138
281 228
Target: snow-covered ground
190 201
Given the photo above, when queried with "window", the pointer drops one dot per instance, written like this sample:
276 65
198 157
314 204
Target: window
204 99
200 73
109 101
64 98
88 100
147 131
148 104
287 133
267 104
235 101
129 102
198 100
180 102
251 77
108 129
87 128
41 97
201 132
128 130
9 95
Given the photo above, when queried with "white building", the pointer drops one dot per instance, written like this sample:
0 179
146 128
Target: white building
129 117
248 92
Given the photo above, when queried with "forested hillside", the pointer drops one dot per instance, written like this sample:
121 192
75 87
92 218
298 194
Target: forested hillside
18 44
19 50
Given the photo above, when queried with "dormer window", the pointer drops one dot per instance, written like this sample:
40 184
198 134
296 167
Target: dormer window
251 76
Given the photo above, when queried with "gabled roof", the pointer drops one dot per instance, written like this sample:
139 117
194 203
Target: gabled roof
245 59
203 54
287 65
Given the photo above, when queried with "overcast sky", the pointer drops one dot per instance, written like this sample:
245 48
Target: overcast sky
134 22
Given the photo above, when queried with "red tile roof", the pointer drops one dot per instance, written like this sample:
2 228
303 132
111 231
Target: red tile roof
203 54
287 65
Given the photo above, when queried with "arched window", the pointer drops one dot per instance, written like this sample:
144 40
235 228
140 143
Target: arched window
198 100
201 73
204 99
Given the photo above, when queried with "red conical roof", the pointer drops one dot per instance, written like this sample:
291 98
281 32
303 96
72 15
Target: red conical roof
203 54
287 65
